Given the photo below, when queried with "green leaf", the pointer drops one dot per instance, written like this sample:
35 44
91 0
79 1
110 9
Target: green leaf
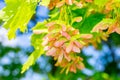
36 41
40 25
17 14
100 3
86 25
79 12
45 3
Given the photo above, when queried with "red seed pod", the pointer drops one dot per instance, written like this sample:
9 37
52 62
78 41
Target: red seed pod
69 47
51 52
73 68
90 1
76 49
69 2
58 43
59 4
65 34
78 44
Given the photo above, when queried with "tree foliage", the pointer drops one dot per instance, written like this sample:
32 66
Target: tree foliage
71 26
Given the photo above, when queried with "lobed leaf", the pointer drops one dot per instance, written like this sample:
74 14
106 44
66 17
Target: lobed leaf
17 14
36 41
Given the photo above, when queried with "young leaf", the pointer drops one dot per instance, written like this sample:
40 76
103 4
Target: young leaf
36 41
17 14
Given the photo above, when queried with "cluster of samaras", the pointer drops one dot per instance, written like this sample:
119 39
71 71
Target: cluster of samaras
59 3
64 43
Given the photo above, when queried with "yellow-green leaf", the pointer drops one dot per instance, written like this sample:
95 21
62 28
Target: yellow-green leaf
45 3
